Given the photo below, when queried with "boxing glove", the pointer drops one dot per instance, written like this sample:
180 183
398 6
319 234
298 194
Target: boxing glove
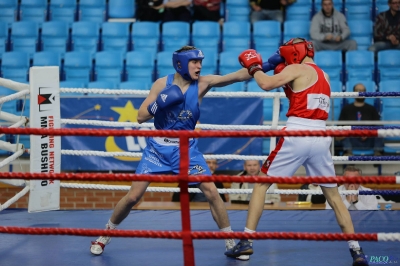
170 96
251 60
274 60
278 69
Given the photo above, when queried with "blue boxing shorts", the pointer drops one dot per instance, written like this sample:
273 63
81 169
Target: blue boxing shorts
162 156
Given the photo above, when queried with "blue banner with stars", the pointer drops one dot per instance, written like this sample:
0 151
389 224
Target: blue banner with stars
219 111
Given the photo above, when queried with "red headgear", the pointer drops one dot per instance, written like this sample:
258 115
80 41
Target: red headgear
294 53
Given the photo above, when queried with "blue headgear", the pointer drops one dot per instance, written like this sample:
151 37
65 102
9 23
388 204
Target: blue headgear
181 60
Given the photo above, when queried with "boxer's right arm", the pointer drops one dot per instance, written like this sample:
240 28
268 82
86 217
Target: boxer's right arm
144 115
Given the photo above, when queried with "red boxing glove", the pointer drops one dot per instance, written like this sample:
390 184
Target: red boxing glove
251 60
278 69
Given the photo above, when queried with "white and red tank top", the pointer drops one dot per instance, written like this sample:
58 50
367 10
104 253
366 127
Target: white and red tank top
312 102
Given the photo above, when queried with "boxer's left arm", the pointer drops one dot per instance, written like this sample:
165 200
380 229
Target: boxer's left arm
288 74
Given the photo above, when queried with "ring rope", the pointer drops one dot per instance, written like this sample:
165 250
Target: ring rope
13 96
203 235
230 191
201 178
14 199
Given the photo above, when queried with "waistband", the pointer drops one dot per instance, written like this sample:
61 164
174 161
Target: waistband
168 141
299 122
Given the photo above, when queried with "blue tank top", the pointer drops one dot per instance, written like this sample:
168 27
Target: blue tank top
183 116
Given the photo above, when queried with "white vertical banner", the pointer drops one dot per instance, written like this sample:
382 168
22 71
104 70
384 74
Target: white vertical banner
45 150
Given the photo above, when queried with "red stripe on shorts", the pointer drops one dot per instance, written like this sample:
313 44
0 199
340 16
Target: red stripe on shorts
272 156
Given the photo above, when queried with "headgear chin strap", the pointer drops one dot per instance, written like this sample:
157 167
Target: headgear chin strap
181 60
294 53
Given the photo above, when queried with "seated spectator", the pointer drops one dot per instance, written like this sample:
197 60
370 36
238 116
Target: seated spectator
361 111
177 10
314 199
149 10
207 10
329 30
268 9
387 28
200 197
356 202
251 168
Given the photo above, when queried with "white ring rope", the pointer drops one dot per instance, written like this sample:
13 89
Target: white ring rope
388 236
197 190
11 158
17 86
16 197
209 94
14 96
7 146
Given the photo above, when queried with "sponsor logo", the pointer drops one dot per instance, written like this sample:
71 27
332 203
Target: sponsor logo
170 140
164 97
318 101
267 163
383 259
196 170
200 54
250 55
185 114
46 98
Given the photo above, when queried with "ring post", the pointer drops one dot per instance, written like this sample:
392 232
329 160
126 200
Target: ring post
45 153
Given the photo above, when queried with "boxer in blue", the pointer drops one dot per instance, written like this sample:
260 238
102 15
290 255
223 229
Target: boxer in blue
174 103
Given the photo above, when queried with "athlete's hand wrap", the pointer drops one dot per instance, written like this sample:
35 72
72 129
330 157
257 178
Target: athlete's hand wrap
274 60
169 96
251 60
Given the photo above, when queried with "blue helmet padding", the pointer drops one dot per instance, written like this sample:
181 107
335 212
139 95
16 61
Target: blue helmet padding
181 60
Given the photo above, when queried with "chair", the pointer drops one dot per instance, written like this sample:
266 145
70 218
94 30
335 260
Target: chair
337 4
85 36
237 10
55 36
15 66
121 9
210 64
358 9
24 36
164 64
175 34
389 86
134 85
330 62
206 35
252 86
380 7
3 37
362 32
235 87
388 65
46 59
8 11
228 63
299 10
78 66
360 65
102 84
92 10
115 37
236 36
63 10
109 66
336 103
267 34
140 66
146 36
33 10
390 112
296 28
370 86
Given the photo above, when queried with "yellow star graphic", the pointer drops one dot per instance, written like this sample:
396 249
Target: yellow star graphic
97 107
128 113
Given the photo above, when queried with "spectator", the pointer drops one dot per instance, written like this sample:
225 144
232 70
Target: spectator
314 199
356 202
177 10
149 10
359 110
387 28
329 29
251 168
207 10
268 9
200 197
